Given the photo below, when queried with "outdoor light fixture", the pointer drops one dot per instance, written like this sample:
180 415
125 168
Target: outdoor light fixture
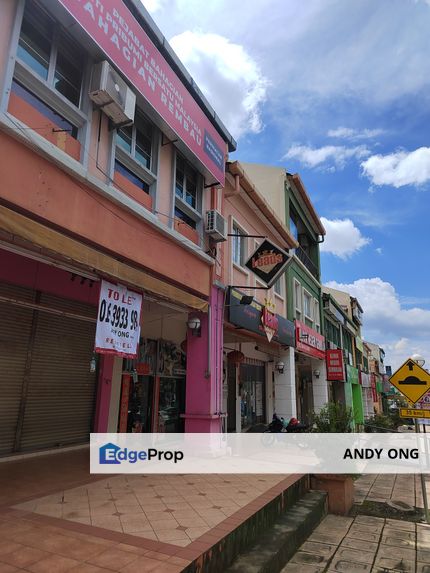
279 366
316 373
418 359
246 299
194 325
93 364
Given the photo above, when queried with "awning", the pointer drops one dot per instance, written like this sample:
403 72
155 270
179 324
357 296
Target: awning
43 237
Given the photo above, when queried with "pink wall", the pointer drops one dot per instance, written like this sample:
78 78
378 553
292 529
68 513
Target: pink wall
237 208
203 393
104 389
16 269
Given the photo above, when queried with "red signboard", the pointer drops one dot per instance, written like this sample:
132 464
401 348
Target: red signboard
373 386
334 364
309 341
111 25
270 323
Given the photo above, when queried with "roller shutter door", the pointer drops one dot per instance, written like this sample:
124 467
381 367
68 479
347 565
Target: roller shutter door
61 391
47 392
15 327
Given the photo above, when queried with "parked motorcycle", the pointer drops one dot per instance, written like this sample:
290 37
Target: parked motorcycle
279 424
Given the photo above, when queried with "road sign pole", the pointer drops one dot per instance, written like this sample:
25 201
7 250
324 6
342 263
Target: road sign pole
423 483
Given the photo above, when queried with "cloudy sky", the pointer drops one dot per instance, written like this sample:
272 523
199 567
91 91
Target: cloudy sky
339 92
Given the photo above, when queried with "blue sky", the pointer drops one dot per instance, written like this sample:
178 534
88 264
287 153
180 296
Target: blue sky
339 92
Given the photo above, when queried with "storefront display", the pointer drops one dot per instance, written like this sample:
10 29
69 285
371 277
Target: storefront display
154 381
252 392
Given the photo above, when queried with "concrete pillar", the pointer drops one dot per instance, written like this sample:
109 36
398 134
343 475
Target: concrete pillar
104 387
285 387
203 393
319 384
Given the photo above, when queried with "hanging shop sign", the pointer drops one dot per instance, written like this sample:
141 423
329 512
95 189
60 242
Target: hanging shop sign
250 317
118 320
365 380
334 364
115 30
268 262
309 341
269 320
352 374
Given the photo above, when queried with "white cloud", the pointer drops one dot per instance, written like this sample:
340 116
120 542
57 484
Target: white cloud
343 238
379 250
153 5
400 331
354 134
336 155
227 75
399 168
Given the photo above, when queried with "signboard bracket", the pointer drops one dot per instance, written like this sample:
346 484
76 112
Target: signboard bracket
247 236
168 142
248 287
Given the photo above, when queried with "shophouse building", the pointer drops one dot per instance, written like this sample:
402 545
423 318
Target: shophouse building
110 159
352 348
377 373
257 332
302 387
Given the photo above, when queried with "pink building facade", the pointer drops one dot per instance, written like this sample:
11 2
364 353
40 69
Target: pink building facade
99 190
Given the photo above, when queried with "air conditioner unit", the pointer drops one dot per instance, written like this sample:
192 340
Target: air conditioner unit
216 226
110 92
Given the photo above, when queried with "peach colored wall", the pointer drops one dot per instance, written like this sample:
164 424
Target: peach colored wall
52 195
237 209
165 185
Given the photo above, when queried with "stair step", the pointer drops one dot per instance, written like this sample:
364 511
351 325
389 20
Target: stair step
279 543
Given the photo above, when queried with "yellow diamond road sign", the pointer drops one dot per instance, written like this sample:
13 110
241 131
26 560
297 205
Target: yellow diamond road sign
411 380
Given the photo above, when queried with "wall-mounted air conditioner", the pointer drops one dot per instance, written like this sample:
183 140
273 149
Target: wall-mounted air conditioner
216 226
110 92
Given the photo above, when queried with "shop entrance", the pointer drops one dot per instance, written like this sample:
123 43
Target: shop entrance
252 394
171 405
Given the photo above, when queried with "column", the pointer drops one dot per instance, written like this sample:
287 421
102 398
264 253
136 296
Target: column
203 394
104 387
319 384
285 387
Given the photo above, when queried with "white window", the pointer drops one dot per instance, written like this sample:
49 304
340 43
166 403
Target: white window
278 286
188 193
49 70
298 299
238 252
136 153
317 315
308 305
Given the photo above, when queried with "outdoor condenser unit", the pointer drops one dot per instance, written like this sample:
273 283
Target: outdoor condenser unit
216 226
110 92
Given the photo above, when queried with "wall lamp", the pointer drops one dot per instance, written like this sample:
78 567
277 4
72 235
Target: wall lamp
279 367
194 324
317 373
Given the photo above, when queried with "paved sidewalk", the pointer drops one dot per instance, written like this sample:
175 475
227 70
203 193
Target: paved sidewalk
364 545
383 487
56 517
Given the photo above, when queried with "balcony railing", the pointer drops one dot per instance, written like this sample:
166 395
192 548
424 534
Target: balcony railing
304 258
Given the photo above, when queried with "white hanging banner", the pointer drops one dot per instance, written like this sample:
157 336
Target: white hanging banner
118 320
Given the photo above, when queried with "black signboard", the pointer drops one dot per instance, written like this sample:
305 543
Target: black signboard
268 262
248 316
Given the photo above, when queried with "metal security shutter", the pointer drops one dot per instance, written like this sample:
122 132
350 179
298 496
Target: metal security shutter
15 327
61 391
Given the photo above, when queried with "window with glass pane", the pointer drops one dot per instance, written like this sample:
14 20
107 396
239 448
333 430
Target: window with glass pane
238 253
124 138
183 217
307 305
35 41
143 145
43 46
278 285
298 296
186 182
293 228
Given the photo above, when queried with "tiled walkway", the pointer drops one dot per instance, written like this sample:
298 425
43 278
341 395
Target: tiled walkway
400 487
364 545
56 517
176 509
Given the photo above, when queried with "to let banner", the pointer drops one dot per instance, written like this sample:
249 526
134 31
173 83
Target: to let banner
118 320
